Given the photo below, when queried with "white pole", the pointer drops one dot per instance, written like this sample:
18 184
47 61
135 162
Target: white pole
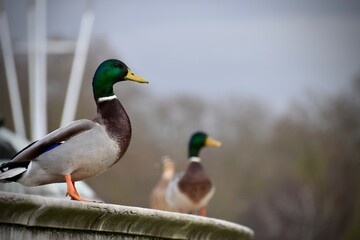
77 70
37 70
10 72
31 63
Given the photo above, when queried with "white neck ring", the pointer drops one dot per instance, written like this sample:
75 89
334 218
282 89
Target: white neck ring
103 99
194 159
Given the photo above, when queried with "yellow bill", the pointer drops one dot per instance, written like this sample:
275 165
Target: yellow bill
133 77
212 142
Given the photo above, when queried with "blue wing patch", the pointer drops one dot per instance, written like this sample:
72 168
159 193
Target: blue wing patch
48 148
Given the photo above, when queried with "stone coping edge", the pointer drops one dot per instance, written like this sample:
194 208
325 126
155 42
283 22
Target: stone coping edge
38 211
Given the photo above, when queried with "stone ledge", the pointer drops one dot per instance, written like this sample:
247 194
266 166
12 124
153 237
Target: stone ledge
31 213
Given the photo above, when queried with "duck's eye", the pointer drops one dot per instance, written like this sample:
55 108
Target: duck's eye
116 65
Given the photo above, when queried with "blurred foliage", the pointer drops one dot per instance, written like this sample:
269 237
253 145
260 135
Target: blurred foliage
294 176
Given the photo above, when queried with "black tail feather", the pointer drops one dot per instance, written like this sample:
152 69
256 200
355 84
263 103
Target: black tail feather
11 165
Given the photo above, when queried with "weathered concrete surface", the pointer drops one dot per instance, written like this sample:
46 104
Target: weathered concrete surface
34 217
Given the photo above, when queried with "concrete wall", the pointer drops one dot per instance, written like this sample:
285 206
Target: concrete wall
35 217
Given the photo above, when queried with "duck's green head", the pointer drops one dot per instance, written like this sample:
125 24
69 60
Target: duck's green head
199 140
110 72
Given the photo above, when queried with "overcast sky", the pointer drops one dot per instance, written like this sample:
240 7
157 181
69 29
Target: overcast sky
272 50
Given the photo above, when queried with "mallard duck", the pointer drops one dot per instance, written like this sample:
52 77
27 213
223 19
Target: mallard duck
157 198
191 190
85 147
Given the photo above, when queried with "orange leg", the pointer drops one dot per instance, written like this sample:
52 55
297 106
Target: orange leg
71 190
76 192
203 212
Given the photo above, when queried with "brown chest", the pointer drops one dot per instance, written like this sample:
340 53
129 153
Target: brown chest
195 184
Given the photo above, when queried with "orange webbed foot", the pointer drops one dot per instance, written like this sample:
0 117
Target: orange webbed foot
203 212
72 192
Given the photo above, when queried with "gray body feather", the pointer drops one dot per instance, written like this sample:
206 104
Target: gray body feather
86 150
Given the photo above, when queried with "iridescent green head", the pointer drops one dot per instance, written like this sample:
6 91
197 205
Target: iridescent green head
199 140
110 72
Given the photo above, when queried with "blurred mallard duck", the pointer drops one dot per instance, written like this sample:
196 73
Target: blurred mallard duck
84 148
191 190
157 198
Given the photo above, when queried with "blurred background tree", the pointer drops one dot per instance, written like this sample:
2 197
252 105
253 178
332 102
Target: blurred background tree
293 175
